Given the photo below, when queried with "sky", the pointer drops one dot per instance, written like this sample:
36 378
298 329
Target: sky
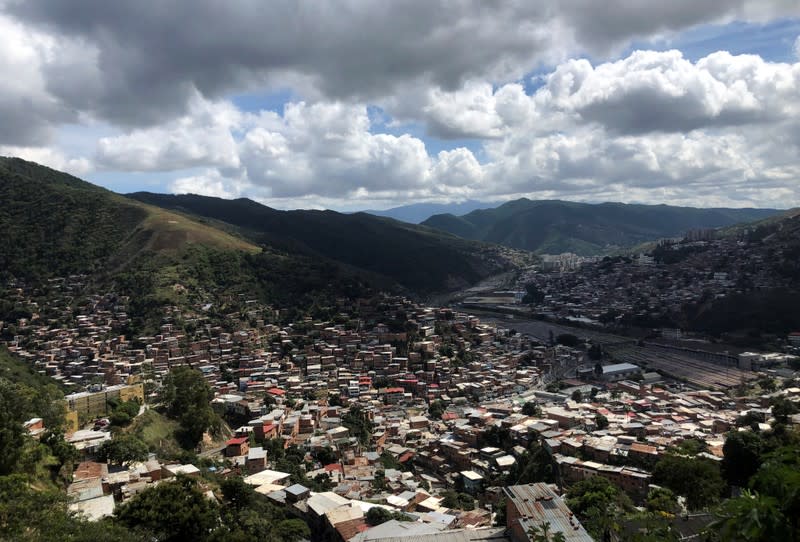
357 104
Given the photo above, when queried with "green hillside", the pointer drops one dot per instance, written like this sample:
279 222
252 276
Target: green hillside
552 227
55 225
422 259
189 250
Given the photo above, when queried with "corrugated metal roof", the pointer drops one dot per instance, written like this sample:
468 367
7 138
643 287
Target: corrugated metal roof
538 503
491 534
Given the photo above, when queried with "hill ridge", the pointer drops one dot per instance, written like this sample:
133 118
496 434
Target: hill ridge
555 226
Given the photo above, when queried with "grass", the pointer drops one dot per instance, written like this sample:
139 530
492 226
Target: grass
158 432
172 232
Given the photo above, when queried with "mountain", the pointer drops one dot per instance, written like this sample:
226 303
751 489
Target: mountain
553 227
55 224
419 212
189 250
422 259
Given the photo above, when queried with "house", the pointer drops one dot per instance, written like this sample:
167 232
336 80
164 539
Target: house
256 459
473 482
237 446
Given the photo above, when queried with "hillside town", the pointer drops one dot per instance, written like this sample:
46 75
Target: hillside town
448 425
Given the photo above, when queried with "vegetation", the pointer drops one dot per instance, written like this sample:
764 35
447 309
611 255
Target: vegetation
186 396
377 515
542 533
358 423
457 501
697 479
30 514
531 409
554 227
123 449
600 505
123 413
436 409
662 500
377 245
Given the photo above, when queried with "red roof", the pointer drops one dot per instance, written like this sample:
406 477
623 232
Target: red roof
332 467
395 390
276 391
405 457
238 441
449 416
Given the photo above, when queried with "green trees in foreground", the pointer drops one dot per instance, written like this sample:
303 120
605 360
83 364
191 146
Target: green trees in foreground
186 396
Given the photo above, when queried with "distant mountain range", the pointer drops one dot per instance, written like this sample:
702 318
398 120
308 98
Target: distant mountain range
419 212
554 227
420 258
55 224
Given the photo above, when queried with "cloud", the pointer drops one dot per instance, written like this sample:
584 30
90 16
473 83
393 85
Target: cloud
50 157
652 123
327 149
144 61
662 91
27 110
201 138
159 79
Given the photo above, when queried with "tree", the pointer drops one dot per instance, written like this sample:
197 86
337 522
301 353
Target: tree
661 499
377 515
542 533
174 511
533 295
535 465
568 339
599 504
742 456
595 354
752 518
601 421
12 434
782 408
697 479
123 449
41 515
248 515
531 409
187 396
124 413
768 384
779 478
359 424
457 501
436 409
577 396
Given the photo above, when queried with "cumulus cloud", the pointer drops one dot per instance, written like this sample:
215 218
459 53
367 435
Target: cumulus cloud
161 78
680 133
202 137
145 60
27 110
662 91
50 157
